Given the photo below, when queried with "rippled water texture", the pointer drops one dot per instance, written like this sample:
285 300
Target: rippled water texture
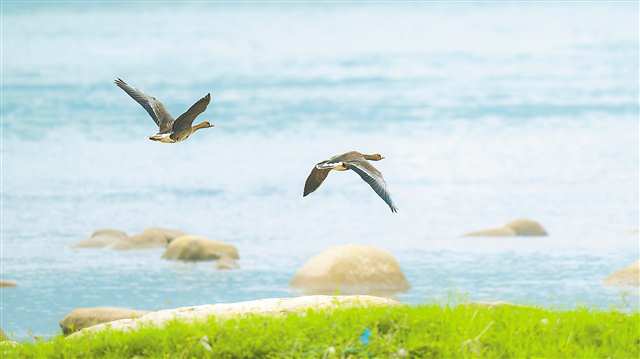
484 113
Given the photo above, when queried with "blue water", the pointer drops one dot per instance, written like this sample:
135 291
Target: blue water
485 113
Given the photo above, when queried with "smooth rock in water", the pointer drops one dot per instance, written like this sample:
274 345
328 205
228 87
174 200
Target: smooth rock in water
625 277
149 238
273 306
7 283
226 263
102 238
81 318
196 248
351 269
519 227
493 232
526 227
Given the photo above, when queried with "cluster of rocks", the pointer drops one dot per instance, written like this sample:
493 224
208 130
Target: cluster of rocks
178 245
348 269
625 277
153 237
360 274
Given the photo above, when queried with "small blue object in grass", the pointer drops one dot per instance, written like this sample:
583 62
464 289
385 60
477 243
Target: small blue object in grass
364 338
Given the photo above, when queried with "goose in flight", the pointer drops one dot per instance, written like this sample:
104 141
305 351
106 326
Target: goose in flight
357 162
171 130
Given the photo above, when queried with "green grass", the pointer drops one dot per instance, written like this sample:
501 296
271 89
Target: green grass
426 331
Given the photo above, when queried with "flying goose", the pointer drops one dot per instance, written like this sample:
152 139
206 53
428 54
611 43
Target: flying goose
171 130
357 162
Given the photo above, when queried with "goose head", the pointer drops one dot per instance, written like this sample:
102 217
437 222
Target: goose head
203 124
374 157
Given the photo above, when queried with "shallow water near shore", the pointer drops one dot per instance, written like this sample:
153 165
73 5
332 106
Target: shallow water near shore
484 115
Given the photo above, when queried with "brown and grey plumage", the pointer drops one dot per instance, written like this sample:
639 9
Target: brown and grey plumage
357 162
170 130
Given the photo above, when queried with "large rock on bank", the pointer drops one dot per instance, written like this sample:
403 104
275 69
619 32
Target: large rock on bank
150 238
102 238
519 227
351 269
81 318
196 248
625 277
273 306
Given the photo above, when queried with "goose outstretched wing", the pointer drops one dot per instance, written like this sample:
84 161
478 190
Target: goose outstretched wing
315 179
374 178
185 120
154 108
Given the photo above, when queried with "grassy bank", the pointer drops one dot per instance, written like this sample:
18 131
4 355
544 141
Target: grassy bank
428 331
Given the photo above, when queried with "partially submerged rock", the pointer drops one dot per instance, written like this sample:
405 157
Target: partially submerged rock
140 241
102 238
81 318
493 232
625 277
273 306
351 269
168 233
109 232
519 227
149 238
196 248
526 227
7 283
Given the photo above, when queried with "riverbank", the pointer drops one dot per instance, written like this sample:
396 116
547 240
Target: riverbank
381 331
